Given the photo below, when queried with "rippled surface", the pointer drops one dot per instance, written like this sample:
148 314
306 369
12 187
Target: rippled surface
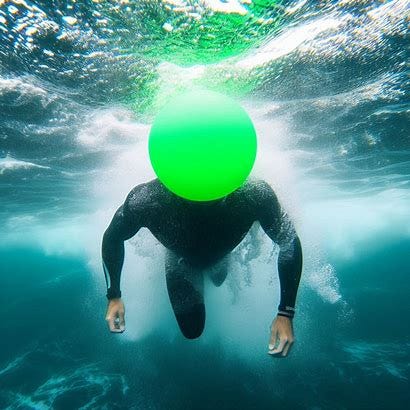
327 86
335 74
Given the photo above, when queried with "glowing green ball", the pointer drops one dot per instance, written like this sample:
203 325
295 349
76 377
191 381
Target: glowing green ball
202 145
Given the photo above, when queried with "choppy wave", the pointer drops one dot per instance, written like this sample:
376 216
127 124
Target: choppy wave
9 164
49 387
380 359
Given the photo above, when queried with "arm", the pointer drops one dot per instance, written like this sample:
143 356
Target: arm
123 226
280 229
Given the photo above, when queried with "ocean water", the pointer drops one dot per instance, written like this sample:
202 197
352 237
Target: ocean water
326 84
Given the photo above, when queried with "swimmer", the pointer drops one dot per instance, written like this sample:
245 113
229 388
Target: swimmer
199 237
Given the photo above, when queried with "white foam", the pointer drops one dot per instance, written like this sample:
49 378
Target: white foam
143 279
11 164
110 127
21 85
251 290
288 42
225 7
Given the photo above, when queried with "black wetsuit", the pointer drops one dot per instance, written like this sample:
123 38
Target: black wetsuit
199 236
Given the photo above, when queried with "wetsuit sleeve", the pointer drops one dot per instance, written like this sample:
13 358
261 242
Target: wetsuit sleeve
277 225
124 225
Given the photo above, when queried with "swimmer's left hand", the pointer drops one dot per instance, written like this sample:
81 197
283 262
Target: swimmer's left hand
115 315
282 335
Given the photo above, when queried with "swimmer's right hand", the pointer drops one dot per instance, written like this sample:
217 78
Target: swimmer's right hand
115 316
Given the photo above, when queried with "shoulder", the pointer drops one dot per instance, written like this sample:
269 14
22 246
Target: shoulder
257 197
258 192
144 196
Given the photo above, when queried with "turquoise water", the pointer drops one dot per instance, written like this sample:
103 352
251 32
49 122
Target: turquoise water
327 88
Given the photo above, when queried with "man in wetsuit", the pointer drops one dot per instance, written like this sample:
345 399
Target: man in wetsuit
199 236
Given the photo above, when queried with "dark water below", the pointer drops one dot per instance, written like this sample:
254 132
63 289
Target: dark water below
63 357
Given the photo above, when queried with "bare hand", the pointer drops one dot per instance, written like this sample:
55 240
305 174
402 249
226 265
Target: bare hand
115 316
282 335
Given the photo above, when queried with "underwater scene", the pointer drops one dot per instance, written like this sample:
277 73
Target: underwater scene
326 84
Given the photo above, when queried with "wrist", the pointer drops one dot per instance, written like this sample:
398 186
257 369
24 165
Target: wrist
113 294
282 316
286 311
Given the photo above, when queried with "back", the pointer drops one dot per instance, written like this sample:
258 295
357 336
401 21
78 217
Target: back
202 232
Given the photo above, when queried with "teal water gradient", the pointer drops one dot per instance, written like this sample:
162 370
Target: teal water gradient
55 332
326 85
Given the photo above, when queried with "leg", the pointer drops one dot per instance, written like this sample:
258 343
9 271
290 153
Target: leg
185 290
218 272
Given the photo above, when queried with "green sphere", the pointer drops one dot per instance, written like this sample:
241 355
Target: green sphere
202 145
